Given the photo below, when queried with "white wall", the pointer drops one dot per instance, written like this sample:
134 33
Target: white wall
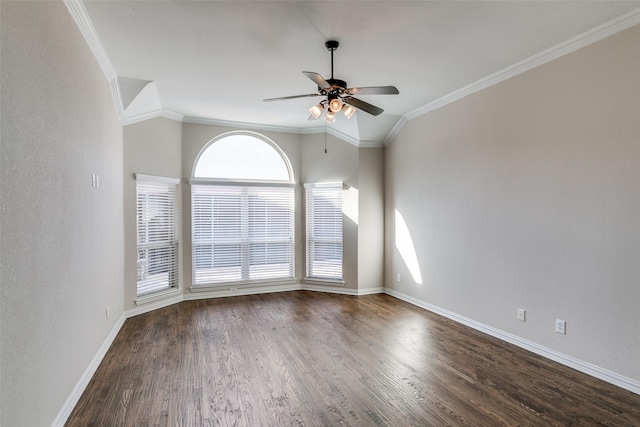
61 240
526 194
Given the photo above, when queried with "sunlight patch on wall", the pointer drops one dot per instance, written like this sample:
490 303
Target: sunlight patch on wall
404 244
350 203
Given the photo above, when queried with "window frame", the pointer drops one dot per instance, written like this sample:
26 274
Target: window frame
312 239
169 228
243 185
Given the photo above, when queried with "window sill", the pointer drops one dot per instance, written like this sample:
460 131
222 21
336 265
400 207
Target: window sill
329 282
233 286
156 296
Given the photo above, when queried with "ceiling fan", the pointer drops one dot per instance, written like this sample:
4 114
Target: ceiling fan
339 97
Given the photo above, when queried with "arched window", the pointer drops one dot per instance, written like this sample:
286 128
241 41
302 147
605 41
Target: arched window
242 202
242 156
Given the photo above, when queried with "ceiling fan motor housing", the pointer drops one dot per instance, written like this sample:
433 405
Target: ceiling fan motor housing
337 87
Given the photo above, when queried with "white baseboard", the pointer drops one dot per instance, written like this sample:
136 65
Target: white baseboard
577 364
371 291
154 305
81 385
340 290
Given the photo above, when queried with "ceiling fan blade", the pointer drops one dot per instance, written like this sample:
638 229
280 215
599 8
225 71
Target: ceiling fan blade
318 79
313 118
364 106
292 97
373 90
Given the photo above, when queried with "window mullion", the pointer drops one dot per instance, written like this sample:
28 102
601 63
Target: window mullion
244 230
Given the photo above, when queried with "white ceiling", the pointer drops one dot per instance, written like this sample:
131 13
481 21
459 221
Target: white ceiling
219 59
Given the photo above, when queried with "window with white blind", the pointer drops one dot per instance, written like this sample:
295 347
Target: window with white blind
157 233
242 217
242 233
324 231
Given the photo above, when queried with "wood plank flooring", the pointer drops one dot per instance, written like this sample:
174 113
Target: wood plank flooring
315 359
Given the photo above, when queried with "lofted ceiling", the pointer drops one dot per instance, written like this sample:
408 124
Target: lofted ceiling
217 60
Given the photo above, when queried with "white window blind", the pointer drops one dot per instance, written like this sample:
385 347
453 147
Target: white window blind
242 234
157 231
324 231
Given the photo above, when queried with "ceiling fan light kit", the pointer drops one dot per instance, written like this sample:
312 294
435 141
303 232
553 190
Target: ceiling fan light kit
339 97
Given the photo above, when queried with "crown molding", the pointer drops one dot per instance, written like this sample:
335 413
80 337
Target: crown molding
83 22
242 125
152 115
285 129
340 135
395 130
81 17
587 38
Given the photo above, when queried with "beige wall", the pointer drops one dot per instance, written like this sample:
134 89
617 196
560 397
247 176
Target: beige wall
526 195
370 218
338 164
151 147
61 261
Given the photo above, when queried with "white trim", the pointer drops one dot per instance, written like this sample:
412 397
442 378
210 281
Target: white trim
155 296
340 135
325 282
82 383
323 185
371 291
166 301
342 291
329 289
240 182
284 129
230 291
577 364
81 17
241 125
128 120
588 37
370 144
234 286
616 25
594 35
154 178
395 130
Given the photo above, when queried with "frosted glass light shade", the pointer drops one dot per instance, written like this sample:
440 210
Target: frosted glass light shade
316 110
329 117
349 110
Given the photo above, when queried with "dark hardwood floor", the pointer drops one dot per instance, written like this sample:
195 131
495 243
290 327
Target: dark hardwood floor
316 359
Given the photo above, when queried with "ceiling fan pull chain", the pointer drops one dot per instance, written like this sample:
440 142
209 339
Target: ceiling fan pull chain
325 137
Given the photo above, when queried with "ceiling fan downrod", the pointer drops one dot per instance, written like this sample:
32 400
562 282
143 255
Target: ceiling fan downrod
331 45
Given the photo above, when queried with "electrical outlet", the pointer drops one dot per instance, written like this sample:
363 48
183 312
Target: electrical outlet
521 314
399 277
561 326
